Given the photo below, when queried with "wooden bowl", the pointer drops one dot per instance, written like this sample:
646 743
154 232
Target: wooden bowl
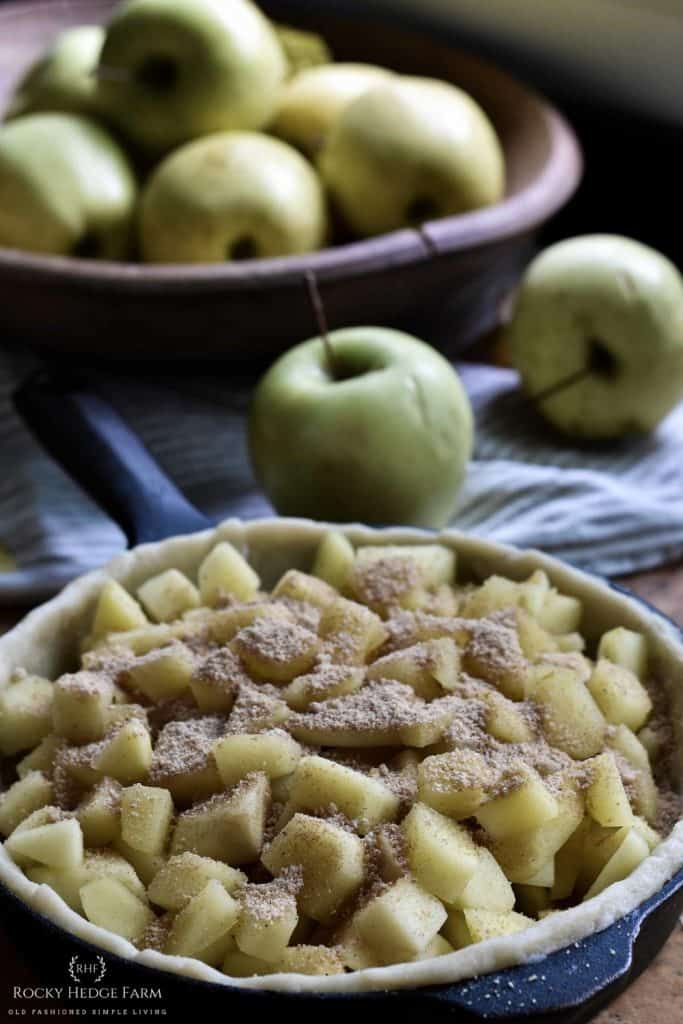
447 282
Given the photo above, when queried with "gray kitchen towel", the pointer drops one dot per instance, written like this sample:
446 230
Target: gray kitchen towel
610 508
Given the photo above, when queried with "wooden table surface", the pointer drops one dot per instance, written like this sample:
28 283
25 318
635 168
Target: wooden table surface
657 996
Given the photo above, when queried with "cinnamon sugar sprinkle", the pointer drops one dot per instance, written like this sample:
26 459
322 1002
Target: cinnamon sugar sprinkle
444 744
274 641
185 746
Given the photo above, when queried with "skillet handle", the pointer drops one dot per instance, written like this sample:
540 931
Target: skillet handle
105 457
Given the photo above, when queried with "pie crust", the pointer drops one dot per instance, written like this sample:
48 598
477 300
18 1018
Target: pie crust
47 638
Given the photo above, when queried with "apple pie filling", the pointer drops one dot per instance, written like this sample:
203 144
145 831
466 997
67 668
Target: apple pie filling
371 764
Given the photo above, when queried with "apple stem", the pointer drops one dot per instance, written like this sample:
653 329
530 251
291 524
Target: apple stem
321 318
427 240
562 384
111 74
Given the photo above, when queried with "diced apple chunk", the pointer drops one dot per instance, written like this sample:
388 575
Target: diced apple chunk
23 798
276 651
165 597
58 845
560 613
568 862
325 683
632 851
440 852
437 947
429 667
319 783
488 888
111 905
465 927
239 965
68 882
526 805
41 758
522 855
216 679
435 562
351 630
625 647
25 714
79 706
620 695
127 755
334 559
225 572
203 920
456 783
498 593
330 857
274 753
146 864
298 586
493 654
162 674
184 876
226 623
146 815
599 845
255 710
651 837
401 922
227 827
606 799
116 611
533 638
316 960
99 813
390 576
183 760
507 720
572 720
268 917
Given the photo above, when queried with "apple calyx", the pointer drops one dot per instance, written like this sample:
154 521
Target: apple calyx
323 327
601 363
243 249
157 73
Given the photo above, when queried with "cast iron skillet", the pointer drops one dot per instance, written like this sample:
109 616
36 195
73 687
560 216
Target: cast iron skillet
91 441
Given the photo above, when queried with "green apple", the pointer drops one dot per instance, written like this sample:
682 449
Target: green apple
174 70
597 336
314 99
383 435
64 78
65 187
302 49
232 196
408 151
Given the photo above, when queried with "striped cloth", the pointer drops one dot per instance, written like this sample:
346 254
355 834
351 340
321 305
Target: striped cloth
611 509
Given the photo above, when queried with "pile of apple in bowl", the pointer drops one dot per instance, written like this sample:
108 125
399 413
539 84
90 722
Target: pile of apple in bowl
248 140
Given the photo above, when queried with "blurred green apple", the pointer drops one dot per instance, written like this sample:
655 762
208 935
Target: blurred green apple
173 70
408 151
64 78
302 49
65 187
314 99
385 438
598 329
232 196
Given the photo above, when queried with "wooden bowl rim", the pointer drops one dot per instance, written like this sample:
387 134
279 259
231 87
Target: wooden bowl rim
513 216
